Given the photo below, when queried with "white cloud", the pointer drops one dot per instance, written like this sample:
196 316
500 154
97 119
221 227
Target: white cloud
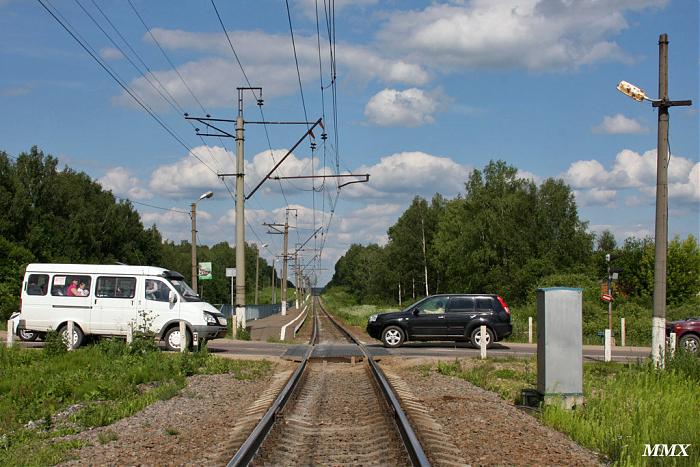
530 34
618 125
367 224
632 170
596 197
189 177
120 181
110 53
410 173
410 108
687 190
269 62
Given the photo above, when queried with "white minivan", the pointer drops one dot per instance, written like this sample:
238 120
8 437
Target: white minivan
107 300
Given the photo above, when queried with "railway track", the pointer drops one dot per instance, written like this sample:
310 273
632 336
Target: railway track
337 408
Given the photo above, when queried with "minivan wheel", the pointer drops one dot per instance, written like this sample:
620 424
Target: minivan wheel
690 343
27 336
172 339
476 338
77 339
393 337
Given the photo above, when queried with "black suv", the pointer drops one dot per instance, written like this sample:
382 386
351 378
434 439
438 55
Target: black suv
454 317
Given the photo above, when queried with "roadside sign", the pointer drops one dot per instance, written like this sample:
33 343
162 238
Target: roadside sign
230 272
205 271
606 297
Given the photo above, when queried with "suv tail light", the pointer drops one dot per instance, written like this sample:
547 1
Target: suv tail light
503 304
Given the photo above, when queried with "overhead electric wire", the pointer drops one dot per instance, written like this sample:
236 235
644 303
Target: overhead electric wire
182 79
262 115
65 24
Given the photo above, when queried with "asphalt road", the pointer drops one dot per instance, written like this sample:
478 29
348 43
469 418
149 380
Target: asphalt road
448 350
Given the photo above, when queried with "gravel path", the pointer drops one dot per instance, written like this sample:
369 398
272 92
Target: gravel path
192 428
483 427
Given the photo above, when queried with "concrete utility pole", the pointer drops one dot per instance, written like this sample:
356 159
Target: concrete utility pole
658 336
272 281
425 258
257 269
296 278
193 216
283 290
240 216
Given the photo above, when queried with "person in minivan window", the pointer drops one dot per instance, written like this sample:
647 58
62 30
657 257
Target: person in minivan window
72 290
151 290
82 290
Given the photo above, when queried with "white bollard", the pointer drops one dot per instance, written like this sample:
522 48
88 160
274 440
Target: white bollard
672 344
608 345
483 341
183 337
129 333
70 335
623 332
529 330
10 332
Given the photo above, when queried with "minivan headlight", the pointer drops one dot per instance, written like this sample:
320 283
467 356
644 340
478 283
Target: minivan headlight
373 318
209 318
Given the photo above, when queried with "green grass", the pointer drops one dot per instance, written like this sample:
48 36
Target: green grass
344 306
627 405
595 318
101 383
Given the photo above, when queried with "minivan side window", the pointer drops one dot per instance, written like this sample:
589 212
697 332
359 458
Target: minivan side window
71 286
157 290
116 287
461 304
38 284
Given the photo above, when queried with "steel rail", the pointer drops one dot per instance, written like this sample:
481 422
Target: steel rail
250 446
408 436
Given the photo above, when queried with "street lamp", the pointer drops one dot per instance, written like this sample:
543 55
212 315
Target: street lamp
193 215
658 336
257 268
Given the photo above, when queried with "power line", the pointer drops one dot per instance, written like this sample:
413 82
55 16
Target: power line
85 45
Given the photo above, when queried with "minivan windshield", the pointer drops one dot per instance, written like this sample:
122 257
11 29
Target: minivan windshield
185 290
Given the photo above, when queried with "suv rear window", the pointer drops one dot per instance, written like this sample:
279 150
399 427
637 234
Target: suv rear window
484 304
461 304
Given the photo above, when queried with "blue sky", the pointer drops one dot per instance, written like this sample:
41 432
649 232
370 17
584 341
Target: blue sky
425 92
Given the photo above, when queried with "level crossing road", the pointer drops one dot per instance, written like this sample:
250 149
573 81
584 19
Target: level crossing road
232 348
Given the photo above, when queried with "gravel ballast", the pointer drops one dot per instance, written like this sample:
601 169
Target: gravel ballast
193 428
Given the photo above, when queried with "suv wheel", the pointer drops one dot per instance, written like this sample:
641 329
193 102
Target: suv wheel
393 336
476 337
690 343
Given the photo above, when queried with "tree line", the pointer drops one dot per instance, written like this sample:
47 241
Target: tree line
63 216
507 235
